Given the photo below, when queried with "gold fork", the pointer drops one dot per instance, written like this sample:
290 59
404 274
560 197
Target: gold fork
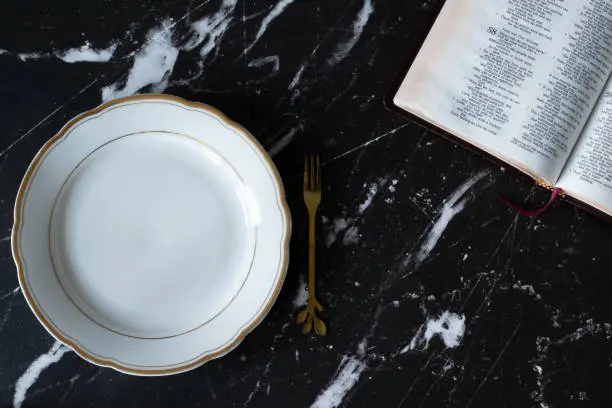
312 199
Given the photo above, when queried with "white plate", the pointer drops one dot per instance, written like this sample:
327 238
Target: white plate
151 234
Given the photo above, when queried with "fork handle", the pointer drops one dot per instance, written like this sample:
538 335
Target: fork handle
311 258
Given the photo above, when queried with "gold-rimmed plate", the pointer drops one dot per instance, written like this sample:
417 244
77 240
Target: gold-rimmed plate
151 234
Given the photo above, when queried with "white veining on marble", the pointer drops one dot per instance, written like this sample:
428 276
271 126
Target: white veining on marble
542 346
449 327
422 200
5 239
265 372
494 365
371 191
11 293
347 225
301 296
6 314
538 395
208 32
71 383
86 53
337 226
263 377
7 149
589 329
152 65
366 144
351 236
345 47
97 374
2 51
283 142
7 311
253 393
24 56
29 377
529 289
346 377
262 61
297 77
265 23
449 209
210 29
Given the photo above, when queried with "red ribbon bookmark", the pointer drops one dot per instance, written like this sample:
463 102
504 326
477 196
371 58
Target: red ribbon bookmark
555 194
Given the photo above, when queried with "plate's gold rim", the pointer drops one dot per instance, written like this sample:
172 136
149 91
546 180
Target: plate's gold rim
73 344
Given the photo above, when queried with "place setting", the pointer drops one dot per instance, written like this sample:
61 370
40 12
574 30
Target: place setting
269 204
151 233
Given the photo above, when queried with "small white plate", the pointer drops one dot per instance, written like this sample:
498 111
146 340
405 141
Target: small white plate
151 234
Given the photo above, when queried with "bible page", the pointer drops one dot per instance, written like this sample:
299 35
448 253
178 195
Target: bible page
588 174
516 78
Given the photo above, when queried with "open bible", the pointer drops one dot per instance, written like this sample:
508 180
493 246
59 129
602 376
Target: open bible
527 81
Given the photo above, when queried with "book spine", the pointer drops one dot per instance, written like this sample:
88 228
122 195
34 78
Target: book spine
548 186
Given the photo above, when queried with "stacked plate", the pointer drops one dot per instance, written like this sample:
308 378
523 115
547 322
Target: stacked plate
151 234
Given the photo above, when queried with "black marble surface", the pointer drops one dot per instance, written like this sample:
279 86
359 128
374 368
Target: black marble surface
412 229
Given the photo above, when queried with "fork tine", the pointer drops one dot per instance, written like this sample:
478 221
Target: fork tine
312 173
305 173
